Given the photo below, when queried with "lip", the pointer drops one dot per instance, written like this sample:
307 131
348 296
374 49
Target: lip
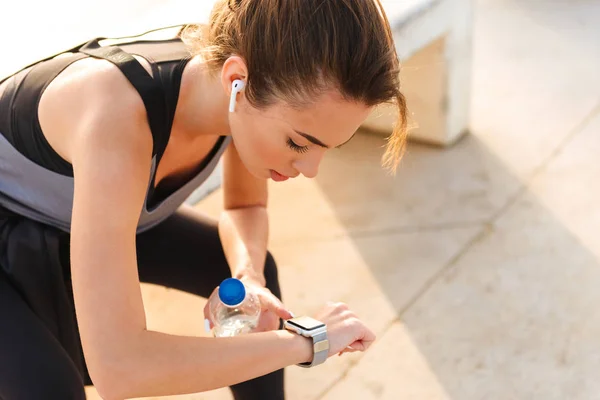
277 177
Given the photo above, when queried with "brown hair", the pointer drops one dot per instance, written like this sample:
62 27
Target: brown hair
296 49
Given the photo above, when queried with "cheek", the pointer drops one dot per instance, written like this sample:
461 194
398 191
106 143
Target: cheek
259 148
268 149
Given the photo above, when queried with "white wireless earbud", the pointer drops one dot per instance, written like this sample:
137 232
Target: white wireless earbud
236 87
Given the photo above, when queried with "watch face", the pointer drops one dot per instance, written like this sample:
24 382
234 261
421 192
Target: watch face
306 323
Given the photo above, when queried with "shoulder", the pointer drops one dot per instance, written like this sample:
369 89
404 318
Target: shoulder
91 96
87 84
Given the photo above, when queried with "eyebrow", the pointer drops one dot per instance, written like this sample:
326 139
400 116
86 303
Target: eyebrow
316 141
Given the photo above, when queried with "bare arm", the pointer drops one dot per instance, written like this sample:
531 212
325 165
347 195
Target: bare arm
244 223
111 155
110 148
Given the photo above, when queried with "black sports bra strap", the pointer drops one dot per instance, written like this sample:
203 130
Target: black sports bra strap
150 90
71 50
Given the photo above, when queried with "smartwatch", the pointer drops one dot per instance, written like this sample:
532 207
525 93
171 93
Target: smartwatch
317 331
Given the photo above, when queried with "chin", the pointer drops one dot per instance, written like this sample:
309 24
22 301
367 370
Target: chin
260 173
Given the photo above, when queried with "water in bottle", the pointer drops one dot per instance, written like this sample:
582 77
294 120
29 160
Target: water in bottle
235 309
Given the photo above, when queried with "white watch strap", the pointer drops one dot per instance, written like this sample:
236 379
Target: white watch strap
320 350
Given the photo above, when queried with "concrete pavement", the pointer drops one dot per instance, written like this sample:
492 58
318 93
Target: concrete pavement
477 266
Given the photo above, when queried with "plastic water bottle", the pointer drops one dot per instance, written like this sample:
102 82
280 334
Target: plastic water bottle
234 310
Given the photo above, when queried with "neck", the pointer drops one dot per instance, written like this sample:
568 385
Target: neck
202 108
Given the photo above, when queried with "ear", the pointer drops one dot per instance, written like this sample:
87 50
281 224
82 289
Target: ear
233 68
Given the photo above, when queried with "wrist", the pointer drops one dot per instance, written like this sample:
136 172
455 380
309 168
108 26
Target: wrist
303 347
316 332
251 275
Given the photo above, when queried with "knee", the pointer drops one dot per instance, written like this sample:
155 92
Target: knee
271 275
62 383
53 383
75 391
270 264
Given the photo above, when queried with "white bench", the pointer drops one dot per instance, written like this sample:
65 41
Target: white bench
433 40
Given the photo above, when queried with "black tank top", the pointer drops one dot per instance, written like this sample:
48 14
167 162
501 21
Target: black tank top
19 121
37 183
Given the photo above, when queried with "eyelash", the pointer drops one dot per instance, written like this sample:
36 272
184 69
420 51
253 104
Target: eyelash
295 147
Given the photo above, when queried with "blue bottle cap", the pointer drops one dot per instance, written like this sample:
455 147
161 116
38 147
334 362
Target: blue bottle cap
232 292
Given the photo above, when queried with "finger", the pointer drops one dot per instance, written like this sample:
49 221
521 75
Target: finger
284 313
357 346
207 305
281 311
347 350
272 303
268 322
368 338
208 324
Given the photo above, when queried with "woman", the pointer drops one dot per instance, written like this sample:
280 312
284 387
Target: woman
100 146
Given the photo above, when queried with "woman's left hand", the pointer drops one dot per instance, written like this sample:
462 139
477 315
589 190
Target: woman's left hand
271 307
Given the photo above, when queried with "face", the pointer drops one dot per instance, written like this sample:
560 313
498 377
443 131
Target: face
282 142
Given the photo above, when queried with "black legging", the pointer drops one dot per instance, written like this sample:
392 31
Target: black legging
40 350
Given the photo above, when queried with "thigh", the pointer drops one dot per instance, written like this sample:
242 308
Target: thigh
33 364
185 252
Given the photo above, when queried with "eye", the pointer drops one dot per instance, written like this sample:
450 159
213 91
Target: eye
295 147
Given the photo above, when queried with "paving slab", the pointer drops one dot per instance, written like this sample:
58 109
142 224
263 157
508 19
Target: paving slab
377 276
461 187
392 369
535 76
366 274
515 317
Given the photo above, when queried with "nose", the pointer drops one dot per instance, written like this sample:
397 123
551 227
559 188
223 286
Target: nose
308 166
